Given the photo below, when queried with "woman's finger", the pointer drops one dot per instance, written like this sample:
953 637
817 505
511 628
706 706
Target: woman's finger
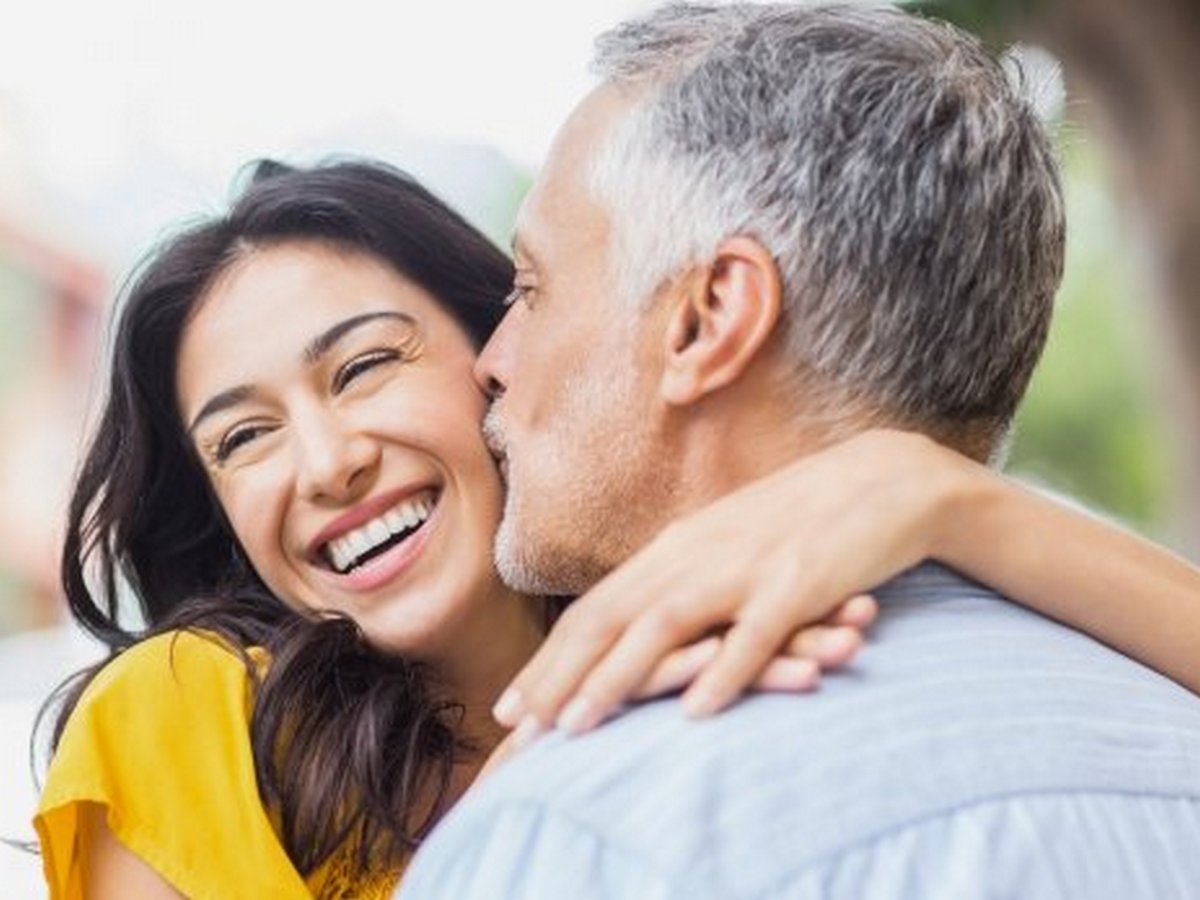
829 646
614 678
746 649
643 594
858 612
581 637
679 669
789 675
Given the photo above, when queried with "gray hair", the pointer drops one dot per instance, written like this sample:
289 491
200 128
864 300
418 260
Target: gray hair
905 188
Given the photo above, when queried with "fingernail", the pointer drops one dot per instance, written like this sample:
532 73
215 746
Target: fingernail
527 732
577 717
838 641
508 708
698 704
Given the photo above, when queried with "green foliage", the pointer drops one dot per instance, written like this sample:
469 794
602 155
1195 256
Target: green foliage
1090 425
993 20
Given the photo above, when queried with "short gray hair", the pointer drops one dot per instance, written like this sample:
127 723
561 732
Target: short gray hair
904 185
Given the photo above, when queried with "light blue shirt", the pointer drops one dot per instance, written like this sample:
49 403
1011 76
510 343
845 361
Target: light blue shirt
975 750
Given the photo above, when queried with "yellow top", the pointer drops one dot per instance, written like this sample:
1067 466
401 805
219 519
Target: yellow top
161 739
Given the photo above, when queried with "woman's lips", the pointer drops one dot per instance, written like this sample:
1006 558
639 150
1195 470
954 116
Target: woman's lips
389 565
363 513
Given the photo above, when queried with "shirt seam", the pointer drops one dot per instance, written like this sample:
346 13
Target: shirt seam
676 879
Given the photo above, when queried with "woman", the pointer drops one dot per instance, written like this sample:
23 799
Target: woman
290 475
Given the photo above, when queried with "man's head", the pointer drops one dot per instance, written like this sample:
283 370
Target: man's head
769 226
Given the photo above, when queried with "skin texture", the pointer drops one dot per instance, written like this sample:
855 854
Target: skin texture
615 417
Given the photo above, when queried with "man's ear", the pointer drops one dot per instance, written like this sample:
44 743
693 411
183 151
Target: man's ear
720 319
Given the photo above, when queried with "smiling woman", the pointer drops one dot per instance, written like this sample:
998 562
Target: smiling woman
289 470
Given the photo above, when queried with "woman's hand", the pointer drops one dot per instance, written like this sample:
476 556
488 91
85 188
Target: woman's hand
796 667
762 563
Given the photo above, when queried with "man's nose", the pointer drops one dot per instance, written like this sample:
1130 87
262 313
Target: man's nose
494 365
334 461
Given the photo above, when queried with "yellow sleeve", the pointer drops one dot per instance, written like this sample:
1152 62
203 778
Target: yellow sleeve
161 739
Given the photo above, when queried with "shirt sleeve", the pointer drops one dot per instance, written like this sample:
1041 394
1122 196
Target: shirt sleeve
160 739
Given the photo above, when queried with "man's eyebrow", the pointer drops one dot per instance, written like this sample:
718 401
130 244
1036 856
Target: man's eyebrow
317 348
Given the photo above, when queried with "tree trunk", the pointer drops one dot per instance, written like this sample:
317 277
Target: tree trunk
1134 66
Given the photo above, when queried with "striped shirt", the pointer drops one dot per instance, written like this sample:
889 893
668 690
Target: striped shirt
975 750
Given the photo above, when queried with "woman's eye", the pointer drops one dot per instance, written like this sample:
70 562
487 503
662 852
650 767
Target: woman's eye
237 438
360 365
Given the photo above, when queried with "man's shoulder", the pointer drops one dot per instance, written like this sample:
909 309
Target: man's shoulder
962 699
950 664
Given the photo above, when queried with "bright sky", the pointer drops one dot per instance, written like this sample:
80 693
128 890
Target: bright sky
214 83
140 111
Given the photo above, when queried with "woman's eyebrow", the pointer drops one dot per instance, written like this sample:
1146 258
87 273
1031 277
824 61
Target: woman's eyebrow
324 342
316 349
219 402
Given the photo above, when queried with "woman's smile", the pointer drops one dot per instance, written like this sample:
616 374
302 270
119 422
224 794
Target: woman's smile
377 542
372 528
346 449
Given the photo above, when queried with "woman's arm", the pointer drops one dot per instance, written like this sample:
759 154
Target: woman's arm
155 770
1077 568
109 871
782 553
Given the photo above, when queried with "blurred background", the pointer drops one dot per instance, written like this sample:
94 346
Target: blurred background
118 120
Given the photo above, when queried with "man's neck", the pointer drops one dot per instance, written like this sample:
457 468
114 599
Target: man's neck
729 446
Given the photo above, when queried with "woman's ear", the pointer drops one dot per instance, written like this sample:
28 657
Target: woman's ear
721 317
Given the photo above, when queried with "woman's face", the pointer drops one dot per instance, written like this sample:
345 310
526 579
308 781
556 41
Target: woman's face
331 403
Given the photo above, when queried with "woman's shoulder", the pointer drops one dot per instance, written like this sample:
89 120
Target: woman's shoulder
161 739
160 690
170 663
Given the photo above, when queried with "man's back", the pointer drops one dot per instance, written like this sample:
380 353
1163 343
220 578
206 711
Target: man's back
978 750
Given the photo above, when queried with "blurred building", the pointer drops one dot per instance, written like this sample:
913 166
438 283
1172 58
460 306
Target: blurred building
51 300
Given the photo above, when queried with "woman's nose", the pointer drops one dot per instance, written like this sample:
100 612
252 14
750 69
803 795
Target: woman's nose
335 463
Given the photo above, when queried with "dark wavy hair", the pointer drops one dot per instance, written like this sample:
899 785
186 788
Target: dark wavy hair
350 744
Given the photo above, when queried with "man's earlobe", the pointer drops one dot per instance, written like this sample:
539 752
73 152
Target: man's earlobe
722 315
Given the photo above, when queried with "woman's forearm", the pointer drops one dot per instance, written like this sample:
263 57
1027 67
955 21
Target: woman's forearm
1086 572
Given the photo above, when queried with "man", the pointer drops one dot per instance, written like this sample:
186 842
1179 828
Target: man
767 229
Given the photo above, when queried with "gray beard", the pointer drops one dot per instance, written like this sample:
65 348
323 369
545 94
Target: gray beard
529 569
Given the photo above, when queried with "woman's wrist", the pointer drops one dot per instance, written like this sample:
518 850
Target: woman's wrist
967 501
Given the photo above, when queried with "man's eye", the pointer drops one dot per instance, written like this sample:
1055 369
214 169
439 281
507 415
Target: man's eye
361 364
520 292
236 438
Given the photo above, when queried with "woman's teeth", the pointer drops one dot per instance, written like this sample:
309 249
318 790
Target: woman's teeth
355 546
